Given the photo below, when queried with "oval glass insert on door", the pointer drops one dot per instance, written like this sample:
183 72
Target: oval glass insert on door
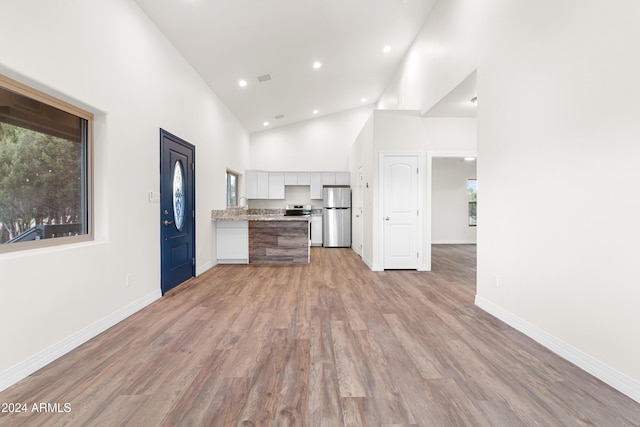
178 195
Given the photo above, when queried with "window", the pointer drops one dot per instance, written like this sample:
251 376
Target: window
44 170
472 191
232 189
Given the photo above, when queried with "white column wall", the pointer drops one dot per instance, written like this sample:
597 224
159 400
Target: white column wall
557 124
557 160
361 154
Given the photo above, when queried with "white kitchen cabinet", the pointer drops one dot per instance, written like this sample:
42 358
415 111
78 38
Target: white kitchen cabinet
343 178
328 178
316 185
316 230
271 185
232 242
251 184
276 185
263 185
291 178
304 178
256 184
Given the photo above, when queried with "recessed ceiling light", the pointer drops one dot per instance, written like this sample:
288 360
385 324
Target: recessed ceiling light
317 65
363 100
315 111
265 124
386 49
242 83
469 159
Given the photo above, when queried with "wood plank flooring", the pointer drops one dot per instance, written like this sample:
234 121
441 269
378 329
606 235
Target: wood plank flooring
326 344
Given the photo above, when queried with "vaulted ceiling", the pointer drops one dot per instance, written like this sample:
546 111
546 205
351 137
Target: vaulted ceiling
273 45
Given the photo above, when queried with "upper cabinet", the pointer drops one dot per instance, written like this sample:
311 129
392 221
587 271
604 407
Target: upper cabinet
304 178
271 185
251 184
276 185
291 178
343 178
328 178
257 185
316 185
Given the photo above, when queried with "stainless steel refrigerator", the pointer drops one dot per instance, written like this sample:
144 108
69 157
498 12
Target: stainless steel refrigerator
336 216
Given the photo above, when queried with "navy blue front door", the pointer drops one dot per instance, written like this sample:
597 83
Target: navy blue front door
177 210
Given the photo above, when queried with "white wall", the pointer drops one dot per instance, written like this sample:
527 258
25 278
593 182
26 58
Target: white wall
320 144
557 148
134 82
558 144
361 155
450 201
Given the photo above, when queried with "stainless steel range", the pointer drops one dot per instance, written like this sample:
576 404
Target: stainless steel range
298 210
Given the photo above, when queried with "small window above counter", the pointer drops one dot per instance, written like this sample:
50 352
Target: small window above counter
271 185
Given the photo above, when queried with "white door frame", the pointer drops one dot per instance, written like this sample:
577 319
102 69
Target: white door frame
430 157
359 200
420 219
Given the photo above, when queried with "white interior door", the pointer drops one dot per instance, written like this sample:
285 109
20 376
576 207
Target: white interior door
400 211
357 215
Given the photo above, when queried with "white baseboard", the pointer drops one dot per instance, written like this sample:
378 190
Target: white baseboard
201 269
232 261
368 262
453 242
48 355
615 379
424 267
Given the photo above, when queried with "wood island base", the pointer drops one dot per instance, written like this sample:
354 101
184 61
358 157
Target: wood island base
278 242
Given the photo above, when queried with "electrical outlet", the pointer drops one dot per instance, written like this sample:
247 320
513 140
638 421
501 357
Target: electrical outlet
129 280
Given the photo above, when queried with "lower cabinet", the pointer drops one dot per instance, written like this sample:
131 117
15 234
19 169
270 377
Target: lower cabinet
316 230
232 242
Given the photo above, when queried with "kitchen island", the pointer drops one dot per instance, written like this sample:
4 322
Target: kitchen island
271 237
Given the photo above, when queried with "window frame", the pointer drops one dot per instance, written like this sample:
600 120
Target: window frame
86 173
472 202
229 173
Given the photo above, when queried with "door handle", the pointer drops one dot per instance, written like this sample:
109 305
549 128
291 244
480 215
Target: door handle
167 222
387 219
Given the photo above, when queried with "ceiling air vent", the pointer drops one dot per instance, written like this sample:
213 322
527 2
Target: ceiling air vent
280 116
264 78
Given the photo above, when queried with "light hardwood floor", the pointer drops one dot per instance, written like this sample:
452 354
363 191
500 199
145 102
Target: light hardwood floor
326 344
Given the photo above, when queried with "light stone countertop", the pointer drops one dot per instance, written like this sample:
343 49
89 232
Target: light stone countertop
254 215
